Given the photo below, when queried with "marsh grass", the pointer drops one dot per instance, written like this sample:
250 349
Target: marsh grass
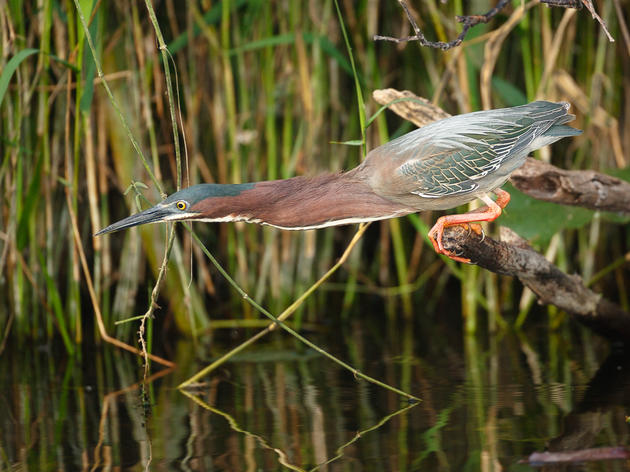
267 90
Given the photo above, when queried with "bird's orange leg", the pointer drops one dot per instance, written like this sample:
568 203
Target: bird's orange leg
490 212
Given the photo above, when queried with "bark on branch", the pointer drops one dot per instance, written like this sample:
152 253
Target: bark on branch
513 256
585 188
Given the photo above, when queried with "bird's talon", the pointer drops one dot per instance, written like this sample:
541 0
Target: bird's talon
457 258
477 228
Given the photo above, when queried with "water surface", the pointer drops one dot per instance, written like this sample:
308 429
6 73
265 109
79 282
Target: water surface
488 401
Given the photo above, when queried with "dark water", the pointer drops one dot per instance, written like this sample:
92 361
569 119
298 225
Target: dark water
488 401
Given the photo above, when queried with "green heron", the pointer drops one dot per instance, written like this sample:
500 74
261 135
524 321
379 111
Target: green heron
439 166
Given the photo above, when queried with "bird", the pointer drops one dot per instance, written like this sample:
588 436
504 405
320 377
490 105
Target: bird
436 167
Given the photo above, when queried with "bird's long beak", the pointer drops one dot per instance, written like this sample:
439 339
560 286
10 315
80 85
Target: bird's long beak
151 215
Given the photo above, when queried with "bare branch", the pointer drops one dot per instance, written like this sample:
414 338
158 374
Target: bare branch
578 4
468 21
472 20
585 188
513 256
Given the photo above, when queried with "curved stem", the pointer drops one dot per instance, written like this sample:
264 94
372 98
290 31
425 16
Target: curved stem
97 311
278 321
169 89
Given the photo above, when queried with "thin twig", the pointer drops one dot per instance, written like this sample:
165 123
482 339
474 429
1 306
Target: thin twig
154 295
467 20
136 146
577 5
97 311
171 101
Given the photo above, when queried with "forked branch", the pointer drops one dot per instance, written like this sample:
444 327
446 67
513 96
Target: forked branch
468 21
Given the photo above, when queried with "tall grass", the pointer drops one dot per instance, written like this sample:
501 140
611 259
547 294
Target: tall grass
266 91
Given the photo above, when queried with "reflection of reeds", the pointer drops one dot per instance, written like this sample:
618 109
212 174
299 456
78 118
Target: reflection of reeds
265 90
319 435
490 398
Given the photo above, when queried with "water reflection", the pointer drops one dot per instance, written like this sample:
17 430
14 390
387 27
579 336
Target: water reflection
488 403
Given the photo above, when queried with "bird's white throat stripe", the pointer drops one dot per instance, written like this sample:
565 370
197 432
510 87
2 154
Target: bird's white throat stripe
325 224
178 216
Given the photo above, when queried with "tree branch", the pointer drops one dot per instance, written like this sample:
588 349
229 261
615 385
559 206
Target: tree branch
578 4
513 256
585 188
473 20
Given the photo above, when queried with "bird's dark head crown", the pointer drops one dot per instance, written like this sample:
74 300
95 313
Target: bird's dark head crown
196 193
178 206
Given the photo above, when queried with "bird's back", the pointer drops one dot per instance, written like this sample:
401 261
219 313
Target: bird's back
452 161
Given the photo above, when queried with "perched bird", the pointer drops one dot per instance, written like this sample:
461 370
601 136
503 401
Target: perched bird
439 166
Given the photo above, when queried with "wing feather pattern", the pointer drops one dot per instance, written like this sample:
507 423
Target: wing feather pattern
449 157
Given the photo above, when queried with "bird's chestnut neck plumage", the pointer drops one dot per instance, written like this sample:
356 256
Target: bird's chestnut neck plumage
299 202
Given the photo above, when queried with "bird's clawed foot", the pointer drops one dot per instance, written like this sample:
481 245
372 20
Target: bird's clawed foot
490 212
436 233
476 228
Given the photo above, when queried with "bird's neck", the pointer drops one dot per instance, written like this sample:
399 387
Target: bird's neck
303 203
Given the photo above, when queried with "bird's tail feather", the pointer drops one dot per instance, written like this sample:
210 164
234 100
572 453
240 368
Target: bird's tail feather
562 131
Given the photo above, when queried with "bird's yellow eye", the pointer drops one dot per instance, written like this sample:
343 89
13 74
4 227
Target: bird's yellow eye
181 205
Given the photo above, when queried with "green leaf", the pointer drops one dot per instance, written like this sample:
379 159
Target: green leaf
538 221
11 67
510 95
289 38
86 7
89 68
32 196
